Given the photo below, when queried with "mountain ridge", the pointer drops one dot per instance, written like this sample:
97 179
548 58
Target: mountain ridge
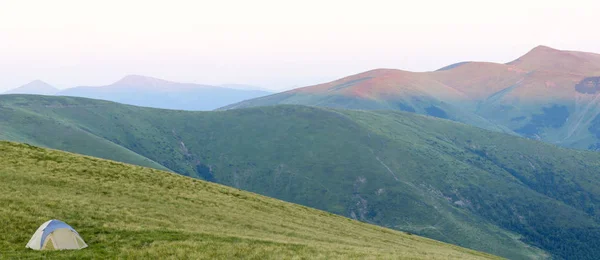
143 81
158 93
510 98
151 92
547 58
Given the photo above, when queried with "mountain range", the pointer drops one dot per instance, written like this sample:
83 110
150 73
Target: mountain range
480 189
152 92
380 146
547 94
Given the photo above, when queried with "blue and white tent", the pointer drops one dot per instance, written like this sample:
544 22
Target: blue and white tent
56 235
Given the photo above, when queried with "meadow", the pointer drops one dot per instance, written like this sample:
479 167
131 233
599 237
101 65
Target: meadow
127 211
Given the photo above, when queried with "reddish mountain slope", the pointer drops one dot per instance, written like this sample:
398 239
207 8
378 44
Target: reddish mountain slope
384 84
546 94
479 80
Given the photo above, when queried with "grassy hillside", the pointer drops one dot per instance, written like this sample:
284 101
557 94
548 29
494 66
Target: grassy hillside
125 211
452 182
24 125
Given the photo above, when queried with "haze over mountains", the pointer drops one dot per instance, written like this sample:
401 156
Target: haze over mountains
546 94
152 92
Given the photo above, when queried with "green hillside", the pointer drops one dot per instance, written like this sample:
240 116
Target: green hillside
125 211
423 104
21 124
448 181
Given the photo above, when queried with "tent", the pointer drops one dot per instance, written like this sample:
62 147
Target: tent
56 235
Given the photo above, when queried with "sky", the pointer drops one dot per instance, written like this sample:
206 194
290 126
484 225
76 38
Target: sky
273 44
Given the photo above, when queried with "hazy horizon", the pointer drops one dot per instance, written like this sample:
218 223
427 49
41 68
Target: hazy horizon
271 44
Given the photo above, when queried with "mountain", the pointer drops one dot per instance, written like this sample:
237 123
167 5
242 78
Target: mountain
380 89
547 94
243 87
157 93
125 211
36 87
484 190
549 59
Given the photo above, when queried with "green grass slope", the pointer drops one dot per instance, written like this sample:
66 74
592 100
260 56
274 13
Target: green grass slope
23 125
126 211
444 180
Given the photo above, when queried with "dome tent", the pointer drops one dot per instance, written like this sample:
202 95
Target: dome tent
56 235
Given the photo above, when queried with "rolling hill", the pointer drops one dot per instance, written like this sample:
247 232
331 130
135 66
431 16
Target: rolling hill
126 211
36 87
547 94
449 181
151 92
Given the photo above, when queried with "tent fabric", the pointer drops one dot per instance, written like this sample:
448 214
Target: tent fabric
56 235
55 225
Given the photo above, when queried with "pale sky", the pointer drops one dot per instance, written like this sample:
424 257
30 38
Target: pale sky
273 44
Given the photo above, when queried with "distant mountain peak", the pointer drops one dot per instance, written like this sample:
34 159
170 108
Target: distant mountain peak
38 83
145 91
540 50
142 81
543 48
36 87
549 59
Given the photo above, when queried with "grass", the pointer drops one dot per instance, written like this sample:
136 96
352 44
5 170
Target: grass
487 191
126 211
